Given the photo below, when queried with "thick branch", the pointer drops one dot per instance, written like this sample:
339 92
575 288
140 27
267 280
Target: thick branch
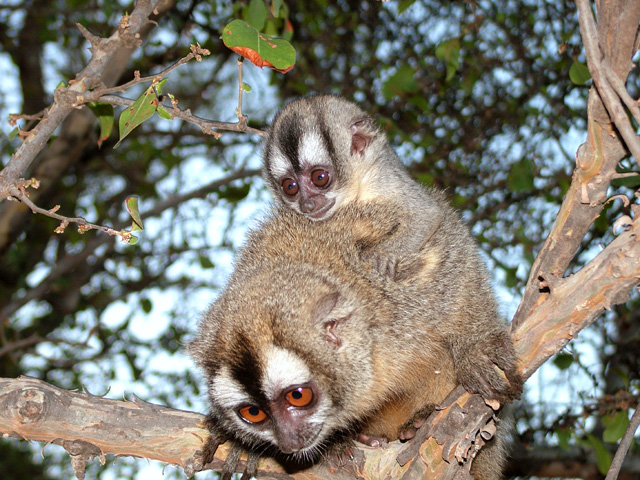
575 302
596 161
597 69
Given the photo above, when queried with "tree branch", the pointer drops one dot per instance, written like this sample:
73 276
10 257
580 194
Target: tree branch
625 443
596 160
65 98
208 127
70 262
597 69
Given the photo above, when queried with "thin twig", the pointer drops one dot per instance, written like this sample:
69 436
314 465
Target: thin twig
208 127
69 262
242 119
20 194
609 98
625 443
196 52
58 111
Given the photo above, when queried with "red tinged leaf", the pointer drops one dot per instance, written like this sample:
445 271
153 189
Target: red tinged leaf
259 49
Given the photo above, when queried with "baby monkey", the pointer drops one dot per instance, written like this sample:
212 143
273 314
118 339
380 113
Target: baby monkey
323 153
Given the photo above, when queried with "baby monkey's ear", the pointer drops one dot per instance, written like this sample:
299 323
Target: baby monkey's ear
362 132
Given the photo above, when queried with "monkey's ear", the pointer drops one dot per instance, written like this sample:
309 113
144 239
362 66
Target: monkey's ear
361 134
331 319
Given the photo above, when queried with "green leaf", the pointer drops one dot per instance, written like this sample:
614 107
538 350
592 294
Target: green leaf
256 14
510 279
233 193
616 426
246 87
14 133
142 109
275 7
404 4
630 181
162 113
132 208
259 49
205 262
270 28
133 240
401 82
449 52
425 179
104 114
146 305
603 457
520 178
564 435
563 360
579 73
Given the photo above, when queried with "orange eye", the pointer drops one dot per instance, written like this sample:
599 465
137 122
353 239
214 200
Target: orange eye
320 178
252 414
290 187
300 397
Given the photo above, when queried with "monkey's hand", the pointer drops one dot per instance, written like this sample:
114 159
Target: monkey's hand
231 462
211 445
392 267
382 264
488 367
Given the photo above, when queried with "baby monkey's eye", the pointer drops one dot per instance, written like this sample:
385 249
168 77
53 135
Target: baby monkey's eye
252 414
300 397
290 186
320 178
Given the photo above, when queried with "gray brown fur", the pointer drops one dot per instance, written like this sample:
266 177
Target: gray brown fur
416 313
404 345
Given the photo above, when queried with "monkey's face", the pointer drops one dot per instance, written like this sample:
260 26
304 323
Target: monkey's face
288 371
286 407
311 151
304 178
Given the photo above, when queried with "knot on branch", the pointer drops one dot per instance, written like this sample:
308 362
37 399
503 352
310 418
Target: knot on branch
127 38
65 97
31 406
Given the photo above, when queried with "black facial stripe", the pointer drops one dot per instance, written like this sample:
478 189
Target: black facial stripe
328 143
246 369
289 140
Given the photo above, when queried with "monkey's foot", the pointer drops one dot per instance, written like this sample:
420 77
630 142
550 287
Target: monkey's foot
409 429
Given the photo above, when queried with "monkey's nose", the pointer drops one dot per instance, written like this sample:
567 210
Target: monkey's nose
307 205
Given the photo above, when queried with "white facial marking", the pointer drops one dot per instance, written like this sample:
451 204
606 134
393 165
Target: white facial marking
283 368
279 166
311 150
228 392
